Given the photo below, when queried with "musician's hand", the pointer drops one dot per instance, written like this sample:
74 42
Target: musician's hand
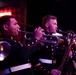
38 33
55 72
60 41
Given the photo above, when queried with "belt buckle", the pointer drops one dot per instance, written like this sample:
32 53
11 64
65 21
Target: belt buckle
54 61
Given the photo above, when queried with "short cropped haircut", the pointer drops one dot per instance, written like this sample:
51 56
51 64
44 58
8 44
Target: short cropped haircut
46 18
4 20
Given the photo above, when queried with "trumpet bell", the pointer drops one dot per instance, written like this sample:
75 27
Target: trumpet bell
4 49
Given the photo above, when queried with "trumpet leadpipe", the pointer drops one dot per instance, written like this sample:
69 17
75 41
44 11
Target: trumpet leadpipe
26 32
45 35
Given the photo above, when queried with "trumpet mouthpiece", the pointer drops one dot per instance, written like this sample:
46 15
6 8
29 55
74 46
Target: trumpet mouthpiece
19 30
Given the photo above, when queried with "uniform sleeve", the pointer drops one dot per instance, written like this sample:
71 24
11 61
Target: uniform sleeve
31 46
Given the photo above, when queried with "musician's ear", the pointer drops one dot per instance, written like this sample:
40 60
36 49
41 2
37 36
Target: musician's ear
46 25
5 26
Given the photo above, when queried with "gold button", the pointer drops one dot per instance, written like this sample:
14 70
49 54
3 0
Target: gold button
14 40
28 59
51 45
46 46
57 47
52 49
32 42
44 69
48 72
28 44
36 40
51 38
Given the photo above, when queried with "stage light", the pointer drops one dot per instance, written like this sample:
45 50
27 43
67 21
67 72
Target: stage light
5 13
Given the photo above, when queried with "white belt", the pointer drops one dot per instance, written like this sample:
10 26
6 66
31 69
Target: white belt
47 61
16 68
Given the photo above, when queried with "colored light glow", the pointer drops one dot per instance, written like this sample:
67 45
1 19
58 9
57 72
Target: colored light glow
5 13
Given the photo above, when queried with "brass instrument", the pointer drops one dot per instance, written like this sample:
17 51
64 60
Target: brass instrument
65 58
4 49
45 35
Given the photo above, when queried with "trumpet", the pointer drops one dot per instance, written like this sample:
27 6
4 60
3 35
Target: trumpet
26 32
31 33
57 35
45 35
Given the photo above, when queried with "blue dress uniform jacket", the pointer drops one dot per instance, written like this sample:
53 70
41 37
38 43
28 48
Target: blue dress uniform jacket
17 63
47 57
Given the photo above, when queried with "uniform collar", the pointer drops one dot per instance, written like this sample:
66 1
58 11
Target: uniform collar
6 37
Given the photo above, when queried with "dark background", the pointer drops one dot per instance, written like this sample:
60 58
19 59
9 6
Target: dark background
64 10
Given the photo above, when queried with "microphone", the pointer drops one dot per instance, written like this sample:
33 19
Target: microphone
62 32
59 30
